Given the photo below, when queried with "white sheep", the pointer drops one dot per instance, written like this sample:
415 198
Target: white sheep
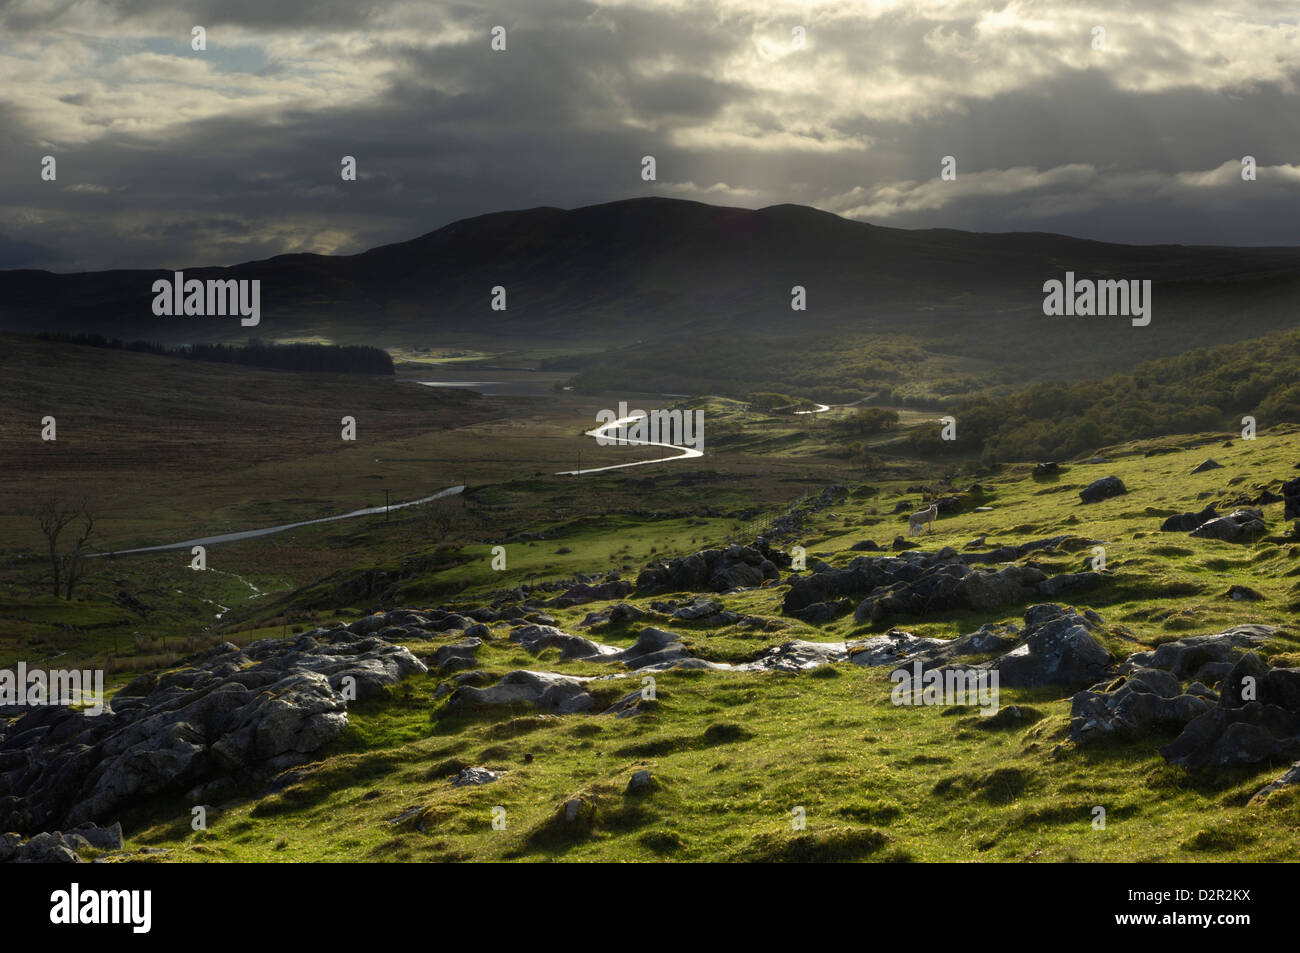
921 518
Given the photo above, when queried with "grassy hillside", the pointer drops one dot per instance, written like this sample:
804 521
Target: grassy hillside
1202 388
175 449
733 753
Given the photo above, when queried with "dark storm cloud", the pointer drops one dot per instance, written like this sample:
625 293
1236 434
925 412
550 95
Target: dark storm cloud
173 158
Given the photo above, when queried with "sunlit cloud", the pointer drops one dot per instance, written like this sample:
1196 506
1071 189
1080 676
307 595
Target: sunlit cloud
167 153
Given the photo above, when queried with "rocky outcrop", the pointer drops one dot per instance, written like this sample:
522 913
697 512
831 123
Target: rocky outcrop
1291 499
619 614
1007 554
796 656
1148 699
1239 525
1257 719
562 694
1289 779
1163 689
712 570
1059 648
1102 489
469 777
1186 522
228 713
60 847
453 658
917 583
535 638
583 593
698 608
1206 658
820 612
654 649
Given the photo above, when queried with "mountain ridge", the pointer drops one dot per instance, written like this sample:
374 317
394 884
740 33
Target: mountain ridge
616 271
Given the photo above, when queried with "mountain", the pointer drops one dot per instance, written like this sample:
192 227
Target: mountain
676 270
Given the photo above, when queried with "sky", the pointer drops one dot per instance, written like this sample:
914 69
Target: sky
167 156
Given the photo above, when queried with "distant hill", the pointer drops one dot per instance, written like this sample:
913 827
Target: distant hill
1199 390
673 274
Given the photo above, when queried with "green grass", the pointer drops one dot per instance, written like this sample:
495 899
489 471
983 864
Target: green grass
875 782
732 754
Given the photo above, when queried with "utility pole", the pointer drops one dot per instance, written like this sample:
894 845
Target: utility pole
385 506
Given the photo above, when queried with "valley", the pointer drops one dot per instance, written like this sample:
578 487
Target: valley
771 686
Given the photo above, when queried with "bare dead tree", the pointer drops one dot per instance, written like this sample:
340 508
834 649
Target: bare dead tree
74 561
67 566
53 518
439 519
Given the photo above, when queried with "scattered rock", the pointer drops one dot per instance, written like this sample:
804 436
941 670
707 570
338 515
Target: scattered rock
701 607
535 638
820 612
1292 777
1060 651
1145 700
583 593
628 706
1257 719
1291 499
1102 489
1243 593
474 776
563 694
714 570
1186 522
1205 658
452 658
47 848
410 814
625 612
796 656
1241 524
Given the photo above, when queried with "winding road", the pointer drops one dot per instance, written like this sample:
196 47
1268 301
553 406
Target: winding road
267 531
683 453
600 432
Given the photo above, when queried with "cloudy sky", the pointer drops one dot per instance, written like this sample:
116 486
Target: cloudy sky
169 157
